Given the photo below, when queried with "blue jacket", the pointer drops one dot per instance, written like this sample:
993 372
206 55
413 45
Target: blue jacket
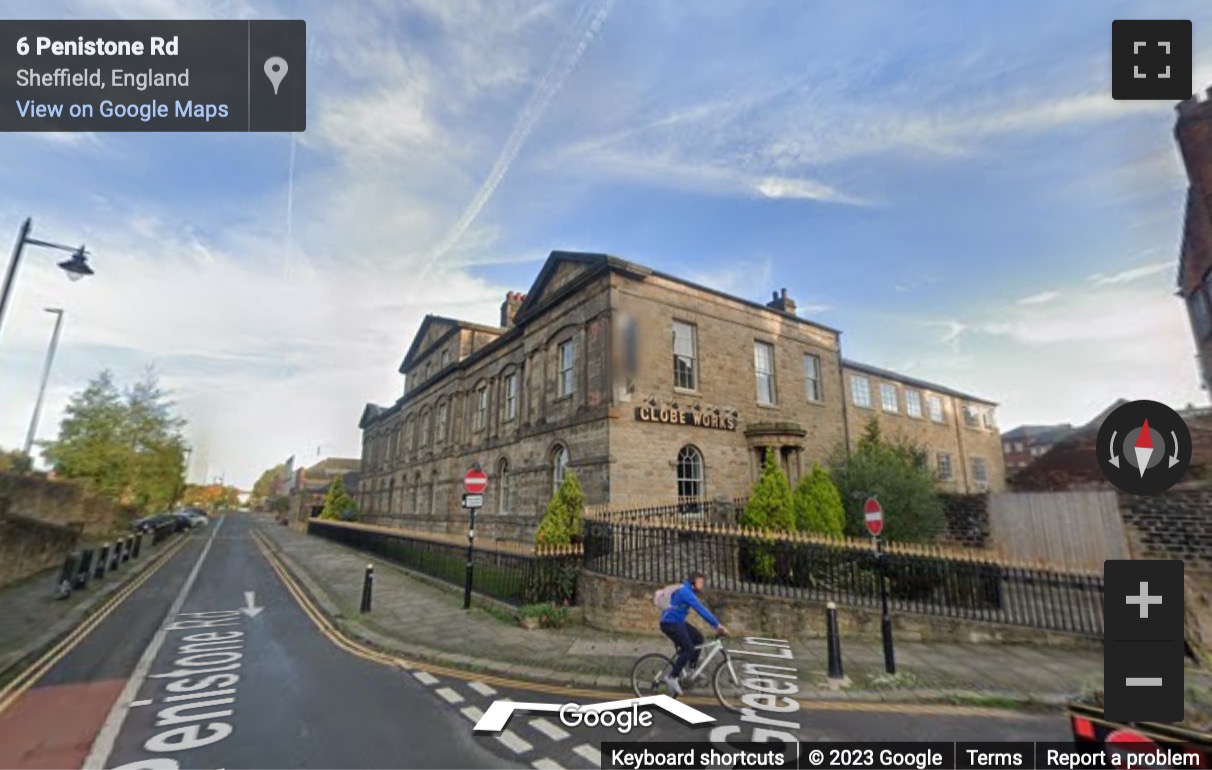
683 600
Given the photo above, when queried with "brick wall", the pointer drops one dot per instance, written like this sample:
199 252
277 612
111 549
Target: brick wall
28 546
1178 525
615 604
967 520
61 502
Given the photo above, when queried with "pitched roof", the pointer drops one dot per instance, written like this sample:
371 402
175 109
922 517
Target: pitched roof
1041 432
414 350
370 413
888 374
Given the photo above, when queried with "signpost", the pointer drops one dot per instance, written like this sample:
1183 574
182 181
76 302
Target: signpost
873 517
475 481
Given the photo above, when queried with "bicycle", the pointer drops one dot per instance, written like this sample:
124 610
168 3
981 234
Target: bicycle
649 672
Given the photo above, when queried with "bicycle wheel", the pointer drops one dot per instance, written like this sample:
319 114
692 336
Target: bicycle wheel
648 674
727 684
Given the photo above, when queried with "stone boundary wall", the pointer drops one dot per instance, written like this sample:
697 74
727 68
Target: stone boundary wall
35 496
616 604
967 520
28 546
516 528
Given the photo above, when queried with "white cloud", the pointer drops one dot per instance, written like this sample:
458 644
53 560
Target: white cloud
1040 298
1133 274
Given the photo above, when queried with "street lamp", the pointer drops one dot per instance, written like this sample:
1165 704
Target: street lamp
76 267
46 368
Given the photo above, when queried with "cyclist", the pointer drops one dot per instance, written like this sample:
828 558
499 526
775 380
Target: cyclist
685 636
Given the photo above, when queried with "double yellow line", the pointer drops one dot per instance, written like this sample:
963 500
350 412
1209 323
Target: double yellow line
338 637
36 670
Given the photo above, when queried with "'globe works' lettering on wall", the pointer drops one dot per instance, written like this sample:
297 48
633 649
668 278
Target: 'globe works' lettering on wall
689 417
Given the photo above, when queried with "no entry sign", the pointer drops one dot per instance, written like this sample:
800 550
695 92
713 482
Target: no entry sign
873 515
475 481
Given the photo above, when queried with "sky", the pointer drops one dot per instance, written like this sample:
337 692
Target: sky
948 183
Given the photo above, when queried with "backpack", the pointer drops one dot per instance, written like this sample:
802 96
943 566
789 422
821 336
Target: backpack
664 597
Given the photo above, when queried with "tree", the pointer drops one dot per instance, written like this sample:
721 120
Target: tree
126 446
897 474
13 461
210 496
818 505
562 522
264 486
769 507
338 505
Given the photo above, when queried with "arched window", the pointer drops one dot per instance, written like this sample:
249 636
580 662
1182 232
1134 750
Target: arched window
434 508
559 466
690 474
504 486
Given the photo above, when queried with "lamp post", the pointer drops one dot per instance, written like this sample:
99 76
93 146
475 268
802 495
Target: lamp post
46 369
76 267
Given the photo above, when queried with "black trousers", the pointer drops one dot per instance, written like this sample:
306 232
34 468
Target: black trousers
685 637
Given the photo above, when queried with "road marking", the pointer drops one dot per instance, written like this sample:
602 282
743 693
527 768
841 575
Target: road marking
140 702
550 730
250 607
472 713
25 679
424 677
546 764
590 753
449 695
482 689
103 746
515 744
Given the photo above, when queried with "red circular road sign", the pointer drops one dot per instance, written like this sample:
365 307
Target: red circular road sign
475 481
873 514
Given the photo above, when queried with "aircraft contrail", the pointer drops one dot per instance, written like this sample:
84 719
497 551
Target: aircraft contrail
573 48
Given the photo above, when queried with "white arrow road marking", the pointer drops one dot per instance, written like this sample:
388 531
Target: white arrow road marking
250 607
499 712
1114 457
1174 457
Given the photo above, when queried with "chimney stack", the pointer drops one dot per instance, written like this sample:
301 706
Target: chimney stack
782 303
509 308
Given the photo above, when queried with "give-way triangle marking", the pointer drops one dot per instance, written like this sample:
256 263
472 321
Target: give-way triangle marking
498 714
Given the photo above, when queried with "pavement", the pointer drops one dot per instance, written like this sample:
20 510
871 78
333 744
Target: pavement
419 618
218 657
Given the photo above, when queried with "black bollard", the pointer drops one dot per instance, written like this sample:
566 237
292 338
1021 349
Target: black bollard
85 570
66 576
367 587
134 554
102 561
115 555
885 615
834 642
127 544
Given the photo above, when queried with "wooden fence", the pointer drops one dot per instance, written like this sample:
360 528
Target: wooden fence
1070 530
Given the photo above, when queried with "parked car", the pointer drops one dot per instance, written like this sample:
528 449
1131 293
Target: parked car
196 517
148 523
1092 731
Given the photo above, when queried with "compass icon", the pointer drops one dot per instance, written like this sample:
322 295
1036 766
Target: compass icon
1144 447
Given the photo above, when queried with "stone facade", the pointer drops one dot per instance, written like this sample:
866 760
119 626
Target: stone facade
967 520
958 432
1193 132
647 386
61 502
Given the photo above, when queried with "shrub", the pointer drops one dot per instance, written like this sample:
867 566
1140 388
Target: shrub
562 522
769 507
338 505
818 505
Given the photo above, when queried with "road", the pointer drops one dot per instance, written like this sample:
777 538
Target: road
215 661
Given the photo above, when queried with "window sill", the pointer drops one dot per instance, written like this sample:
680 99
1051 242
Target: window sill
760 405
915 417
891 411
565 397
860 406
815 402
686 391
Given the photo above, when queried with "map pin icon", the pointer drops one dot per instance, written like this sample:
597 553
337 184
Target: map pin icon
275 70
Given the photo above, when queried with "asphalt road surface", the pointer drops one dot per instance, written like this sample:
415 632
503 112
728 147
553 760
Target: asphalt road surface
214 663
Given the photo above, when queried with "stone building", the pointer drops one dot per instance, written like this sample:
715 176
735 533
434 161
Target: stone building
1021 445
310 487
1193 132
650 388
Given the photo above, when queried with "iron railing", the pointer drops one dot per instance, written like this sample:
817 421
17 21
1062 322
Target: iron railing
516 576
930 580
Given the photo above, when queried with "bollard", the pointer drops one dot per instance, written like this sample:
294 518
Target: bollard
367 587
66 574
885 615
138 544
834 642
127 544
102 561
115 555
85 570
